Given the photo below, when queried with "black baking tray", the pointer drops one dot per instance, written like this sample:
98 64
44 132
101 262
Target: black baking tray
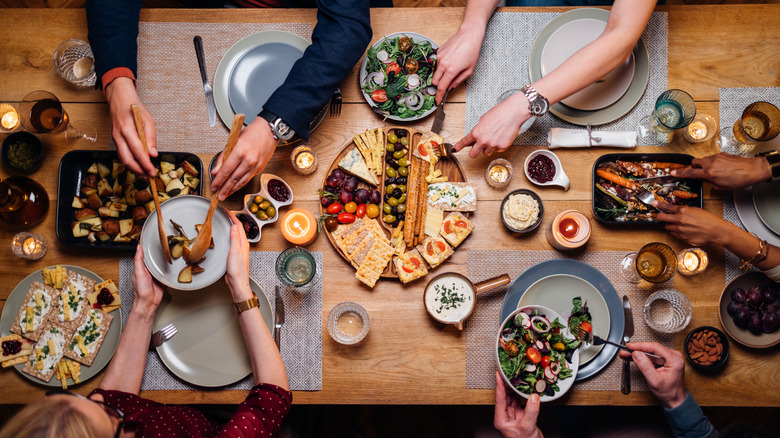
73 170
695 185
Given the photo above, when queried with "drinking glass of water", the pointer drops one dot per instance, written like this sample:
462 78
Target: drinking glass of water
674 109
74 62
295 266
759 122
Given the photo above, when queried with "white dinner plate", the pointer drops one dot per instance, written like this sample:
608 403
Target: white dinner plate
15 302
565 42
766 200
187 211
743 203
557 291
208 348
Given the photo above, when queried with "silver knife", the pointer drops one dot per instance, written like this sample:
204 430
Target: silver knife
206 87
279 318
628 331
438 119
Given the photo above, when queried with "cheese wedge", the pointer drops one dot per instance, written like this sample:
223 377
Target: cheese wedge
354 164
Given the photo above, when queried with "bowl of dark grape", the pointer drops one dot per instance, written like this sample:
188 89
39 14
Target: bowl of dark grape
750 310
344 199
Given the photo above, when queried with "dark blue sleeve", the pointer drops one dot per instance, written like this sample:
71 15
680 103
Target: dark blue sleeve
342 33
113 33
688 420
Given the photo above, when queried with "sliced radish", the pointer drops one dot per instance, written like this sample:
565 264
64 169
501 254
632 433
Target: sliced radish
377 77
546 345
539 345
523 320
540 324
548 374
431 90
540 386
551 380
555 367
412 82
530 368
383 57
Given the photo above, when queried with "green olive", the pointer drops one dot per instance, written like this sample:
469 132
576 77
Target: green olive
402 199
401 208
392 202
389 219
390 188
390 147
271 212
405 141
392 138
258 199
264 205
261 215
390 172
253 208
402 187
387 208
403 171
403 162
399 154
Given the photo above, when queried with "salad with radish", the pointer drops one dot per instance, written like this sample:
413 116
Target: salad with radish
396 77
534 354
580 316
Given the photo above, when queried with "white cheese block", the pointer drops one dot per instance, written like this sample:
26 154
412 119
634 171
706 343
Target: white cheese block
354 164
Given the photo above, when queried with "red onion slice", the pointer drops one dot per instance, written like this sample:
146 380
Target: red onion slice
540 320
376 77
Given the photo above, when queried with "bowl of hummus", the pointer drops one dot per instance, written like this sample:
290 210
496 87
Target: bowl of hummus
522 211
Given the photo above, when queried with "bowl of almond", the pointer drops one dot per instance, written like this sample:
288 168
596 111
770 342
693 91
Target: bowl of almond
707 348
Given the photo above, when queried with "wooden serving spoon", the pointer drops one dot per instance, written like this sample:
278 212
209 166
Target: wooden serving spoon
139 126
203 240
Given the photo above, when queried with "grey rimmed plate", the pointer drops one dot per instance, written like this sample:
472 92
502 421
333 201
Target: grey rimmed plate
743 204
591 275
766 200
208 349
612 112
16 301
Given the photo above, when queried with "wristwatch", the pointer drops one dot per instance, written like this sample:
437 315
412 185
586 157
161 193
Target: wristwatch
243 306
279 129
538 105
773 157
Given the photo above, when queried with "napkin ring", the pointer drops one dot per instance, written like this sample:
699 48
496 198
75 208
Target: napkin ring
591 138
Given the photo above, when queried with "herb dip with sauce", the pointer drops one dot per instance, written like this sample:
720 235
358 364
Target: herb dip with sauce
449 298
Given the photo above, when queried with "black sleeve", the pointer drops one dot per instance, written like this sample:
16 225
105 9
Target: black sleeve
342 33
113 33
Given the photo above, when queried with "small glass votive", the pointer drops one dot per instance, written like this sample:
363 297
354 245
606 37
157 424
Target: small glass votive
692 261
295 266
348 323
498 173
702 128
304 160
74 62
667 311
9 118
28 246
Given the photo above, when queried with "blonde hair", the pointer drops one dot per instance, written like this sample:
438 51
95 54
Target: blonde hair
53 417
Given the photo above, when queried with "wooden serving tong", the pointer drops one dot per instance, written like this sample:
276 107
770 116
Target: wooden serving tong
139 127
202 242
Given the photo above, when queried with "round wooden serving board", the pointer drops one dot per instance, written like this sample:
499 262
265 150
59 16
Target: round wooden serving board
449 167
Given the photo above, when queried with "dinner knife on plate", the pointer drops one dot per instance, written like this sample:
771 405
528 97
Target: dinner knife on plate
279 318
628 331
206 87
438 118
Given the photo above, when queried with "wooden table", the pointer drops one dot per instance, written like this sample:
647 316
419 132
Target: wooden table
407 358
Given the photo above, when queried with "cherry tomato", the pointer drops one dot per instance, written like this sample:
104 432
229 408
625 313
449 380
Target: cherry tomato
545 361
331 224
411 66
379 96
429 248
448 227
422 150
414 262
533 355
585 325
361 210
461 224
441 246
393 67
404 44
346 218
511 348
372 210
350 207
334 208
559 346
407 270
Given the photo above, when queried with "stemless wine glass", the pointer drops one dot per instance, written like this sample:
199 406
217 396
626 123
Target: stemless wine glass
667 311
655 262
41 112
759 122
674 109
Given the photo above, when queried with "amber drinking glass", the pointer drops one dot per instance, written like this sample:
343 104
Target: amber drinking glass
759 122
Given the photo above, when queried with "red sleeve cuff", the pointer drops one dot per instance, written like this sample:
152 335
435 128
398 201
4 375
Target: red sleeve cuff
118 72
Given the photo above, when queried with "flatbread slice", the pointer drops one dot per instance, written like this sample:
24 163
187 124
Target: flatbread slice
435 250
410 266
74 295
456 228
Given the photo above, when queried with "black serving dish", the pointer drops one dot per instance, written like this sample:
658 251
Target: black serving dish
695 185
73 170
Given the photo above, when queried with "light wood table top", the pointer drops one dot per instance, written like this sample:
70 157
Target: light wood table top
407 358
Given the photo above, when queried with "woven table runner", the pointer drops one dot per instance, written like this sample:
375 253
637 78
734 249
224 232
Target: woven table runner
503 65
169 82
301 333
732 102
482 325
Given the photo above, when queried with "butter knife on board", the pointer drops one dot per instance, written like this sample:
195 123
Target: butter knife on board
628 331
198 41
438 118
279 318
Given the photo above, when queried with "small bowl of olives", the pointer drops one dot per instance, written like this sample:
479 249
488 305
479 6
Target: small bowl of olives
263 207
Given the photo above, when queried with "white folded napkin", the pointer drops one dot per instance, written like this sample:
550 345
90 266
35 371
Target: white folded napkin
575 138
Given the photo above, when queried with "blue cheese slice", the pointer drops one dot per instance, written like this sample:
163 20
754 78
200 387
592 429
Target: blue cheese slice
354 164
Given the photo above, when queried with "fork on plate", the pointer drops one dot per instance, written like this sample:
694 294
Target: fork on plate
335 103
590 338
163 335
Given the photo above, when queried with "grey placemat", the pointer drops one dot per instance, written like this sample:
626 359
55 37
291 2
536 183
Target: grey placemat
503 65
732 102
301 333
482 325
174 95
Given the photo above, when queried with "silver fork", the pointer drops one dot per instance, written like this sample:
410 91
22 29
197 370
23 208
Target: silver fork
646 196
335 103
590 338
163 335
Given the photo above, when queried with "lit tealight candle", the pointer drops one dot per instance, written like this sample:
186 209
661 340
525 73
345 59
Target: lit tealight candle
499 172
697 130
692 261
299 227
304 160
9 118
28 246
569 230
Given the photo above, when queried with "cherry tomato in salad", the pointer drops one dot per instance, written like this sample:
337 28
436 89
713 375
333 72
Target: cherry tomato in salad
512 348
533 355
545 361
393 68
559 346
404 44
411 66
585 325
346 218
379 96
361 210
334 208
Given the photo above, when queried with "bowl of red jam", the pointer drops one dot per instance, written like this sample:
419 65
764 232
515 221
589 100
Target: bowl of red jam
544 168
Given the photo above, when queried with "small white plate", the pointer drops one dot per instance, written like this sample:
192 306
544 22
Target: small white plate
187 211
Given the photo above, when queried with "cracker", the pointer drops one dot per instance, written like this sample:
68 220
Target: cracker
48 295
59 334
12 362
86 329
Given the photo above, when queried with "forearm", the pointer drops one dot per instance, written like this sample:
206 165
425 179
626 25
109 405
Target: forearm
126 370
745 246
477 15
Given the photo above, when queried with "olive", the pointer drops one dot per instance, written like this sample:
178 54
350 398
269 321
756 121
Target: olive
402 198
389 158
387 196
253 208
405 141
392 202
271 212
393 180
389 219
391 188
390 172
401 216
391 138
261 215
401 180
258 199
403 171
264 205
399 154
403 162
331 223
393 164
401 133
394 211
390 147
397 193
402 188
400 209
388 182
387 208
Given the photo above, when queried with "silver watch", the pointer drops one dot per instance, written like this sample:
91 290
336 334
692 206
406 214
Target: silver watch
279 129
538 105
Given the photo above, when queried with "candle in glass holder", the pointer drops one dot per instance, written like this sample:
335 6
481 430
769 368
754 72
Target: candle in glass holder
569 230
304 160
702 128
498 173
28 246
9 118
692 261
299 227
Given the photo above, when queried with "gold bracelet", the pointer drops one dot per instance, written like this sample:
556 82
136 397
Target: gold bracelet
248 304
761 254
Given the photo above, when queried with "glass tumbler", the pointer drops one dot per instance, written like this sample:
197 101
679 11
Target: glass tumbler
674 109
295 266
667 311
74 62
348 323
760 121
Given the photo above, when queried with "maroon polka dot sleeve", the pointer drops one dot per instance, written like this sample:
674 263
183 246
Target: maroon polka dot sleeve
260 415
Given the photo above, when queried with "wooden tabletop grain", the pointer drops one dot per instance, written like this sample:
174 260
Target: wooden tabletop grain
407 358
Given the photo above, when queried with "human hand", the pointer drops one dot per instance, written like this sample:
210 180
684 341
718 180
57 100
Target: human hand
497 128
148 292
121 94
727 172
237 277
692 224
667 383
254 149
510 418
456 59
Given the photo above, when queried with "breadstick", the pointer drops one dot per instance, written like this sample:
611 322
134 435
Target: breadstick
411 200
422 202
